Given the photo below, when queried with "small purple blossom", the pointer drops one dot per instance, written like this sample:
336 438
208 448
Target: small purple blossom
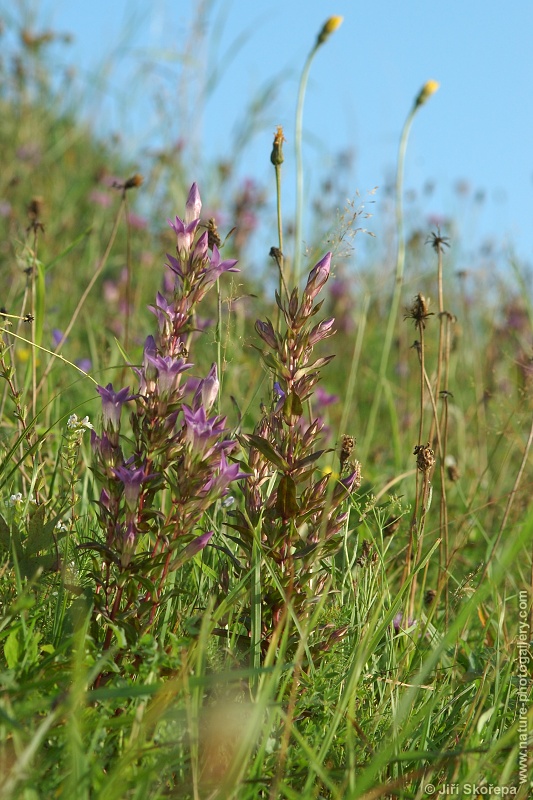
200 431
112 403
184 234
132 478
169 370
279 394
227 473
217 267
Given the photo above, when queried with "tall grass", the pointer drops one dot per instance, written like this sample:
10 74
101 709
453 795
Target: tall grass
335 615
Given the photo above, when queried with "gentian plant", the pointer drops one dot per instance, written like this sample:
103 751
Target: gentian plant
159 479
291 507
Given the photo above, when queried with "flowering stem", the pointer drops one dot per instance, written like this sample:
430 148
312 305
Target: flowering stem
325 32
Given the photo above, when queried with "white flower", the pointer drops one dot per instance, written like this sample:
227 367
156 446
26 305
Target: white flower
75 424
15 499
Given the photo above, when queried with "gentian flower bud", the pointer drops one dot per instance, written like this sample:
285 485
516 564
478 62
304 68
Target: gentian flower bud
207 390
193 207
266 332
317 277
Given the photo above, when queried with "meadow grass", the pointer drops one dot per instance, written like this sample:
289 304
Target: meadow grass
326 595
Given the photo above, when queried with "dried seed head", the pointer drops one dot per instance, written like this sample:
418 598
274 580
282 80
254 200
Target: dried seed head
35 206
425 457
419 311
134 182
347 445
437 241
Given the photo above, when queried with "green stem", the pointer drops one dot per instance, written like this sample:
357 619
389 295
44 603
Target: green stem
398 283
299 166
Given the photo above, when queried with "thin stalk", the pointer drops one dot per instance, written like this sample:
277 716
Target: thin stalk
299 166
441 428
398 282
429 88
327 29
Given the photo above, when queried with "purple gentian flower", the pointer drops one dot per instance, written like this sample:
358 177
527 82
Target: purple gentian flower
201 431
169 370
226 474
217 267
132 478
184 233
112 403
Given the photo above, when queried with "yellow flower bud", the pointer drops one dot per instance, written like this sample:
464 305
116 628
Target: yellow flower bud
429 88
328 28
276 156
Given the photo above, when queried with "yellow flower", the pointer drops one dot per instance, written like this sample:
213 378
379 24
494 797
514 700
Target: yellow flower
429 88
329 27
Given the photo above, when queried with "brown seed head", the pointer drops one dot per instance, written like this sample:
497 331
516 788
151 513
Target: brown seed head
347 445
425 457
419 311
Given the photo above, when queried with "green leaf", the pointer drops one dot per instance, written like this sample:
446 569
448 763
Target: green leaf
12 649
292 409
286 503
267 450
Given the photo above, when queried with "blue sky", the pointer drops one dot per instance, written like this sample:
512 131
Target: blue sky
475 132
